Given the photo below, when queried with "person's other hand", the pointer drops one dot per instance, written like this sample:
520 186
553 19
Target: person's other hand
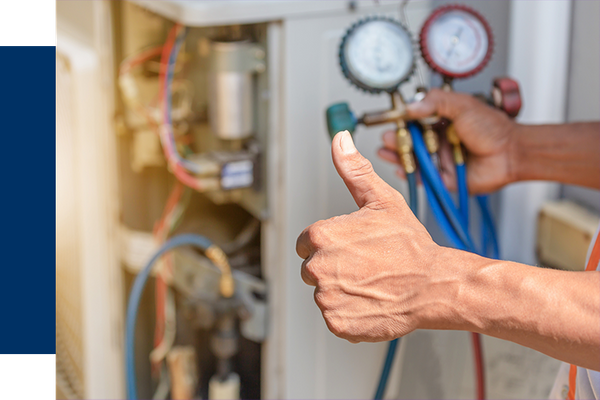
486 133
377 272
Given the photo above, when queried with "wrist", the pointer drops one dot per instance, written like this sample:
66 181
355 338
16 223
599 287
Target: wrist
514 152
450 300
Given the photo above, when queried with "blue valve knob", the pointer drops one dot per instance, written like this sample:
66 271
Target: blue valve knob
340 118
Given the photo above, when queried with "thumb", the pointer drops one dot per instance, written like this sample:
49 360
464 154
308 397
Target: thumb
441 103
357 172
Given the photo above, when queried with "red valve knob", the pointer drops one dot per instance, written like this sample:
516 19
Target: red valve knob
507 96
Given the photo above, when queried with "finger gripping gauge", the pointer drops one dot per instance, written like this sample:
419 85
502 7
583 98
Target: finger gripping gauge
456 41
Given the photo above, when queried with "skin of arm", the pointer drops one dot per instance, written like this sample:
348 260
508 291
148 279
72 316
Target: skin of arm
378 275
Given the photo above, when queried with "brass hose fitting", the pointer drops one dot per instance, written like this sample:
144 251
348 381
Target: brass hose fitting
431 140
457 152
218 257
405 146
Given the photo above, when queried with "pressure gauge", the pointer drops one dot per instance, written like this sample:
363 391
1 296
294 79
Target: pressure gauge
376 54
456 41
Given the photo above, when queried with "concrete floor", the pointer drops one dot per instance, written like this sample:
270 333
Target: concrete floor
438 365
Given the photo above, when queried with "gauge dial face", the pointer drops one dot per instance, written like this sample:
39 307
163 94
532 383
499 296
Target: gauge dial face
378 55
456 41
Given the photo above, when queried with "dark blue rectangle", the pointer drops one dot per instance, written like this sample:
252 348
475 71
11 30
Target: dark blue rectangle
28 165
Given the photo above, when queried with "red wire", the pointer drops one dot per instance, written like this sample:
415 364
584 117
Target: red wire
161 286
164 60
479 366
139 59
172 201
134 61
180 173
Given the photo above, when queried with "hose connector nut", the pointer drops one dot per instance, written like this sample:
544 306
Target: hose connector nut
431 140
405 146
453 139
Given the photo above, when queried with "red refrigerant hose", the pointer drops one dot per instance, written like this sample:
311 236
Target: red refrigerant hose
479 366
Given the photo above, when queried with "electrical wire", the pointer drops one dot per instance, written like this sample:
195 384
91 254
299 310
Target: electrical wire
174 208
181 168
128 86
413 202
136 294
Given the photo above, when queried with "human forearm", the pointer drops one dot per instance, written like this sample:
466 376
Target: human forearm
566 153
554 312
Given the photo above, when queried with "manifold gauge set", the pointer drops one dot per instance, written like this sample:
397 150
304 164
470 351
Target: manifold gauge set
377 53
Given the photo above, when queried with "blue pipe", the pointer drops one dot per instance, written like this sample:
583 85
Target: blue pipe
136 294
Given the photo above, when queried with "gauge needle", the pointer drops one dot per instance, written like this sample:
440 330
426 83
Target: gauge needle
455 40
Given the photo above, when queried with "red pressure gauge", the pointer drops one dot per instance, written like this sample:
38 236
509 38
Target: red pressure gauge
456 41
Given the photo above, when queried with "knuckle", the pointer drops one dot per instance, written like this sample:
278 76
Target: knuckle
360 167
311 269
337 327
321 299
316 233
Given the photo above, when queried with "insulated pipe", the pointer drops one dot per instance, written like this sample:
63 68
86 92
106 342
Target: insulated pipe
136 295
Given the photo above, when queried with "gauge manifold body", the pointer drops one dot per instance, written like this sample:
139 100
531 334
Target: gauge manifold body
456 41
377 54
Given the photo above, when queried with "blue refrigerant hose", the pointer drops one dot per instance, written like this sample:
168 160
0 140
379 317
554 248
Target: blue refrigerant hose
430 174
413 202
488 229
441 219
136 294
463 194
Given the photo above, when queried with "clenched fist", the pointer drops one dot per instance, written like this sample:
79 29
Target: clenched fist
377 272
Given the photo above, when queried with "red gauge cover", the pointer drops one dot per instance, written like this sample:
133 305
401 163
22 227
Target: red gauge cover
425 32
510 96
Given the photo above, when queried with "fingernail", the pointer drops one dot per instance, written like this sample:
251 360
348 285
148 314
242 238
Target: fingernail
346 143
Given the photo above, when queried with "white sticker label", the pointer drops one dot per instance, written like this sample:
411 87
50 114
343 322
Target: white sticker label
237 174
